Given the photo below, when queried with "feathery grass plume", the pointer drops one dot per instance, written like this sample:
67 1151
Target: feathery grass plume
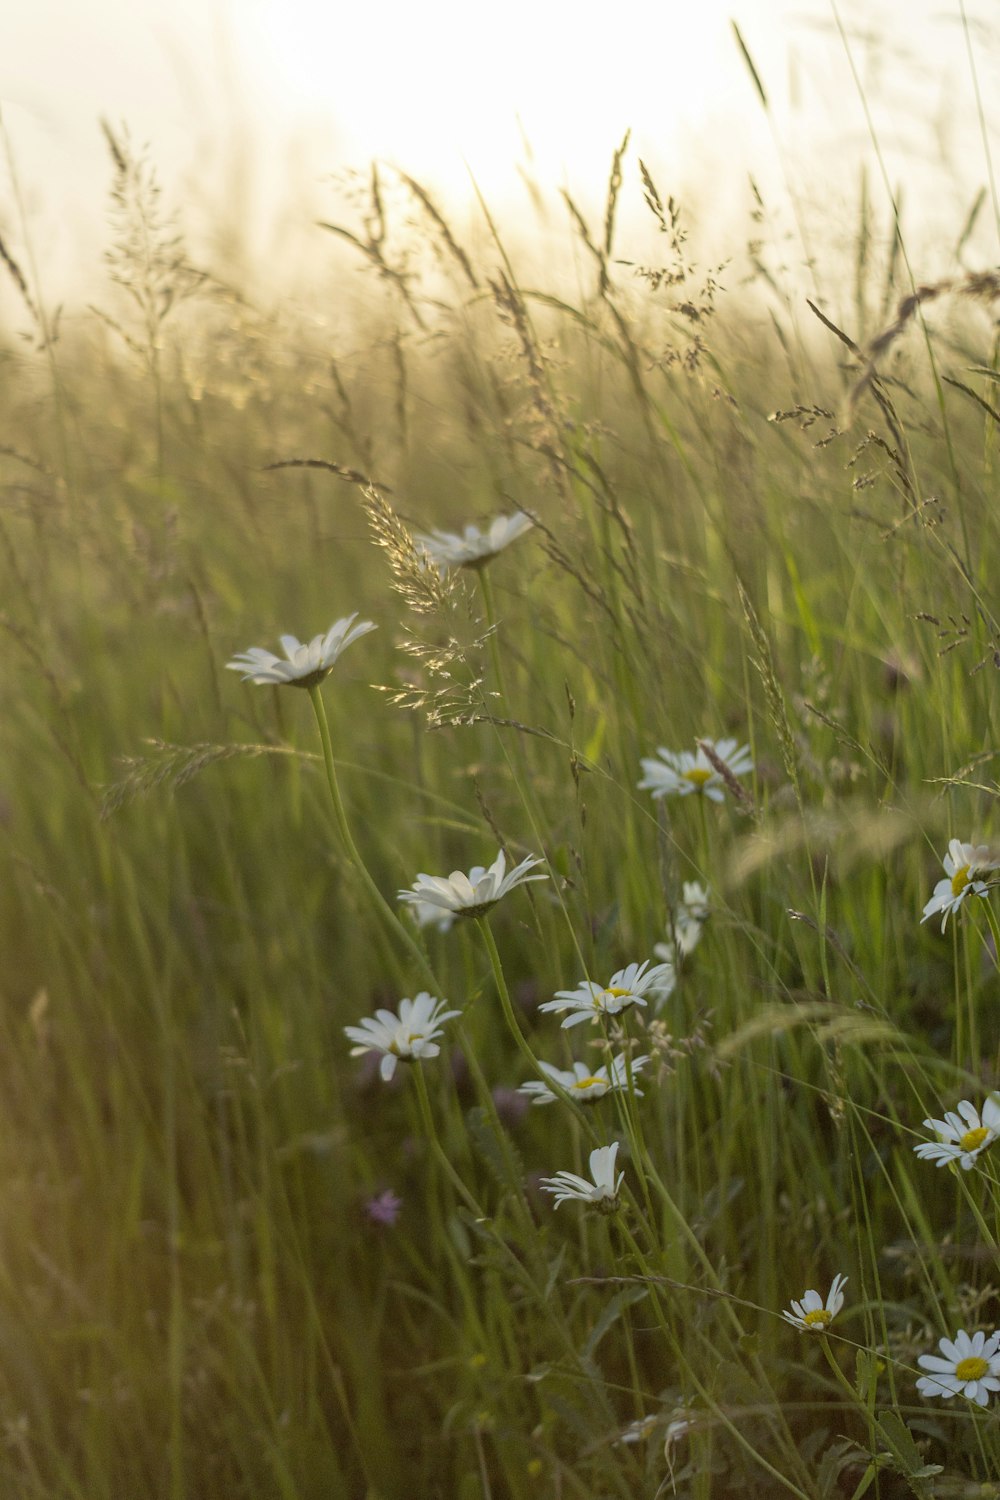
18 278
775 698
611 206
424 588
602 252
736 787
353 476
977 286
449 688
441 224
898 455
173 766
46 326
806 417
147 258
695 304
512 311
374 246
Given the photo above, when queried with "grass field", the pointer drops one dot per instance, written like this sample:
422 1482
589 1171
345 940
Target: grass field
235 1261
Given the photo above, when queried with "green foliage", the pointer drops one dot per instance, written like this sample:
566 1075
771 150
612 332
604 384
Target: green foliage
736 534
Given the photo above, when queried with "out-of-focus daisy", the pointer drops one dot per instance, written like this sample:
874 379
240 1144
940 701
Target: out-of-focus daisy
962 1136
679 773
675 1426
306 663
812 1314
641 1429
602 1190
687 920
410 1033
964 865
690 916
471 895
682 1419
583 1083
473 548
970 1368
630 986
429 914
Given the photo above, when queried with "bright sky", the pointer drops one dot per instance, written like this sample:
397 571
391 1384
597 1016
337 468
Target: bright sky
252 106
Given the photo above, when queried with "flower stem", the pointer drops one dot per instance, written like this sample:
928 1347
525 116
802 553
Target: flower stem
875 1432
441 1155
385 910
994 926
516 1032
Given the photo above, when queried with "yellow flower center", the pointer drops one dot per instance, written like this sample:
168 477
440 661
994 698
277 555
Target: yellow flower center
973 1139
972 1368
617 994
960 880
698 775
586 1083
822 1317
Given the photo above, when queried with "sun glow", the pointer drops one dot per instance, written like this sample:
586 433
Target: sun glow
448 90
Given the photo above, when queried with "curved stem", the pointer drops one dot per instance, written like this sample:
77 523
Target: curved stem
441 1155
389 916
518 1035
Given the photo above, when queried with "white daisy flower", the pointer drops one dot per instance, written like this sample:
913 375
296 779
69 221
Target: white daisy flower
470 895
812 1314
602 1190
581 1083
307 663
964 1136
474 548
406 1035
678 773
963 866
590 1000
970 1368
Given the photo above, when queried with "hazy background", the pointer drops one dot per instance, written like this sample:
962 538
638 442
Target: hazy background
252 108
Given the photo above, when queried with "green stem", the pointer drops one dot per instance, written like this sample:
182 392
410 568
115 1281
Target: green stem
703 1392
518 1035
385 910
875 1431
441 1156
994 926
522 784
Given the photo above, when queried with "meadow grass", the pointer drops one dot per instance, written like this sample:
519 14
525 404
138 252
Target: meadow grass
233 1260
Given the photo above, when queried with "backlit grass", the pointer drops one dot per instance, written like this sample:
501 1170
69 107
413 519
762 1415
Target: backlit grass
234 1261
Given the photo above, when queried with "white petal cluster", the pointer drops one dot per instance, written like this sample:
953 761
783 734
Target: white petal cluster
305 663
679 773
429 914
473 548
962 1136
964 866
687 921
812 1314
690 916
629 986
470 895
602 1189
582 1083
969 1367
674 1425
404 1035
